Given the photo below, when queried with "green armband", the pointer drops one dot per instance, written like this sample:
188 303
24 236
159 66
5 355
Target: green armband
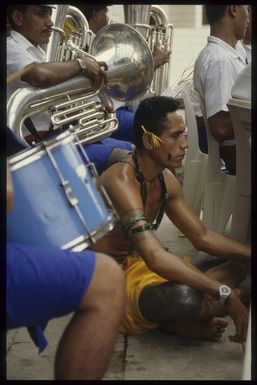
131 222
147 226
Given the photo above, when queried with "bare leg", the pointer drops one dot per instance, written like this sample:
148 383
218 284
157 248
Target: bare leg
178 311
86 346
230 273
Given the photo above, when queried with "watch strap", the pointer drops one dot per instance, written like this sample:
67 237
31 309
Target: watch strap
82 65
224 291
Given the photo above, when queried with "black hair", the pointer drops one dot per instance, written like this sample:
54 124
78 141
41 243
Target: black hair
152 114
10 8
215 12
88 9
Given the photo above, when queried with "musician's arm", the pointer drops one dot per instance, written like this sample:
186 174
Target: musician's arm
161 56
53 73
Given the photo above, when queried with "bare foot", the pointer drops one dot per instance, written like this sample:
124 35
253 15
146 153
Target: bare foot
211 329
219 324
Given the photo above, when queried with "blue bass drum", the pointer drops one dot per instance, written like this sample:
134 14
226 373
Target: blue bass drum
58 200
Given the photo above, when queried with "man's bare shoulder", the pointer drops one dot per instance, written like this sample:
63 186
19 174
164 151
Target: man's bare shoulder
173 185
121 184
120 172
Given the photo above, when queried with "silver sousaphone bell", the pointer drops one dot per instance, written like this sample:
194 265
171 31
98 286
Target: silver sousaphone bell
129 60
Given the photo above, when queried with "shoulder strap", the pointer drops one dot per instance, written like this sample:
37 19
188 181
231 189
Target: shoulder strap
164 197
140 178
31 128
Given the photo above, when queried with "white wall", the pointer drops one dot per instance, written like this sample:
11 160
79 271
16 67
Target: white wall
189 34
116 13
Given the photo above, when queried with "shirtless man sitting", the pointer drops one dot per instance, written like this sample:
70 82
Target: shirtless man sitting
163 290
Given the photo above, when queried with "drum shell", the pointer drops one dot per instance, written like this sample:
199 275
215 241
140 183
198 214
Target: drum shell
42 214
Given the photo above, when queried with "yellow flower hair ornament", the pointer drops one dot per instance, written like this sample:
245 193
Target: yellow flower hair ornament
156 140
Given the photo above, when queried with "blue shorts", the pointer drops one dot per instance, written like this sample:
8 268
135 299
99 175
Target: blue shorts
100 152
44 283
126 122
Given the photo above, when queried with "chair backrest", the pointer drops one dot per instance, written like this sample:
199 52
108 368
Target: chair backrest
219 196
195 161
240 111
190 120
214 160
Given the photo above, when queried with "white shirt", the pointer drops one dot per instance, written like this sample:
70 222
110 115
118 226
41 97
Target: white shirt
248 51
242 86
215 72
20 53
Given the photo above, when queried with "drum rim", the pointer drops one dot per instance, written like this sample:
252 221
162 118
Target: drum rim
84 240
31 154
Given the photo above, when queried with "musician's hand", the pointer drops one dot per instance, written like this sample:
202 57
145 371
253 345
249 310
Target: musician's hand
96 72
160 55
239 313
107 108
104 68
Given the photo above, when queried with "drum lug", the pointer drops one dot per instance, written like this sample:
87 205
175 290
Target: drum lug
68 192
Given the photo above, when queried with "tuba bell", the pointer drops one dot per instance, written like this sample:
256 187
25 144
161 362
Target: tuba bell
129 60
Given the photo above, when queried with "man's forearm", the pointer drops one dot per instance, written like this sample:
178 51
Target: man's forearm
51 74
172 267
224 247
221 126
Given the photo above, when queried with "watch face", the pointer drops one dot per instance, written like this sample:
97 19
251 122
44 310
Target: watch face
225 290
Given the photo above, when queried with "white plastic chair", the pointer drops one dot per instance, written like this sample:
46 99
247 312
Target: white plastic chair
248 352
240 111
196 161
219 195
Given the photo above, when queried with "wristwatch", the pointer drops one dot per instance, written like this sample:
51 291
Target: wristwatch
224 291
82 65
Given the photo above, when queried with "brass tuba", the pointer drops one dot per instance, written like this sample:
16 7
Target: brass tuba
73 102
152 22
